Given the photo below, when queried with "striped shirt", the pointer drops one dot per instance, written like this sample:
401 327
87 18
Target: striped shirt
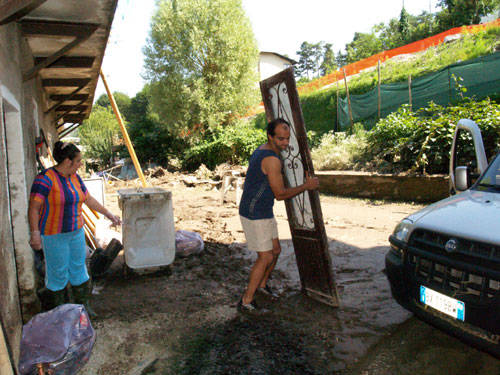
61 200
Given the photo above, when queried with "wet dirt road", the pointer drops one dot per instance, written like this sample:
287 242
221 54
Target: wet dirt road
182 319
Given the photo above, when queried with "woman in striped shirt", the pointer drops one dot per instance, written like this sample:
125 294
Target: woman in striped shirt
56 223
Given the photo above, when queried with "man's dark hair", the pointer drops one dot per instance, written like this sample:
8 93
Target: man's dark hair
63 150
271 126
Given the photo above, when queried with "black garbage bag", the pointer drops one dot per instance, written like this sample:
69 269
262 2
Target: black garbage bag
61 339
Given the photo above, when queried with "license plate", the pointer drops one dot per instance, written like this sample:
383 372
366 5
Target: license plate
447 305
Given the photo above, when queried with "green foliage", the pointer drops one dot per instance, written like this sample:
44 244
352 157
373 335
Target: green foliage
231 144
328 64
122 101
200 60
463 12
363 45
315 59
98 134
421 141
320 108
404 25
339 151
151 139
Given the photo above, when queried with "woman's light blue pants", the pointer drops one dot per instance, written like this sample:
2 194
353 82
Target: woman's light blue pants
65 259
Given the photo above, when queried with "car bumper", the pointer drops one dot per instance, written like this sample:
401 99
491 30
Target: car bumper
481 327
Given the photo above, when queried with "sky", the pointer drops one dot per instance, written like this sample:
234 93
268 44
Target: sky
278 25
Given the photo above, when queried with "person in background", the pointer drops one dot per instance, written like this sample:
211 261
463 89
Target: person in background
264 183
56 224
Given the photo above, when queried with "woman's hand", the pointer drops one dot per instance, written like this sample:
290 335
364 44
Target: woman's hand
114 219
36 240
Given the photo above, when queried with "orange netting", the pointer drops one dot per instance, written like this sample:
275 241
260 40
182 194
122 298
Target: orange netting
371 61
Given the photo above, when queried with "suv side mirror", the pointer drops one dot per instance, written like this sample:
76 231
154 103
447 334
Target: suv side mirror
462 178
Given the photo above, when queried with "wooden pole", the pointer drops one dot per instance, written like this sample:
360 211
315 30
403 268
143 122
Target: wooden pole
348 100
337 122
378 84
128 143
409 91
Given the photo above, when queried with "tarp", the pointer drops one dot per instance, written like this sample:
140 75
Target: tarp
480 76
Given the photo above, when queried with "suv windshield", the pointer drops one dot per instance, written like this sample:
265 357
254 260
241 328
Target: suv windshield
491 179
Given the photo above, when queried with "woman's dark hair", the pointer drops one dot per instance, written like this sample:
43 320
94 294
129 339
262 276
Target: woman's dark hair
271 126
63 150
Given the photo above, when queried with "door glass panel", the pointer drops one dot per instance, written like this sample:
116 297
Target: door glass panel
292 161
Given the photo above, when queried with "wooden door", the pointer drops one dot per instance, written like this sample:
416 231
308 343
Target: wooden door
309 238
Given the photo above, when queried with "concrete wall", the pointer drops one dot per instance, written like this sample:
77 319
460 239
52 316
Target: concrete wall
270 64
423 189
21 115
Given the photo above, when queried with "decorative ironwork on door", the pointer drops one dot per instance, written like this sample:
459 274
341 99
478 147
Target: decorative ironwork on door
304 210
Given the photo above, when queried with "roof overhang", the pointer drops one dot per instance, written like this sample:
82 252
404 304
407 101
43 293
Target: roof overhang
67 39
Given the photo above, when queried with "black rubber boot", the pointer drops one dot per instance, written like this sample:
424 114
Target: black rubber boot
51 299
81 295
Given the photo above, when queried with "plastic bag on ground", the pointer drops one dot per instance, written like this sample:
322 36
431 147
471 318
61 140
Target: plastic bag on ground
61 339
187 243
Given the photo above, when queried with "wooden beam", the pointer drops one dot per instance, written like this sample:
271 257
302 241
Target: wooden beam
13 10
55 56
65 98
71 96
67 113
73 118
65 82
68 62
65 132
56 28
71 108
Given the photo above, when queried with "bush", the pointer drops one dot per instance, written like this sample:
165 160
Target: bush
230 144
340 151
421 141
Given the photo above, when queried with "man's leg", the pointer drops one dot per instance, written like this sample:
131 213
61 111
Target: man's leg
276 253
264 260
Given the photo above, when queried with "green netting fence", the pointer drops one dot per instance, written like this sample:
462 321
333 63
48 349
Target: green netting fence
480 76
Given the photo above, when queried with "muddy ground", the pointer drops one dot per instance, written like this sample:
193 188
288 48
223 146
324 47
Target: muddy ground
182 319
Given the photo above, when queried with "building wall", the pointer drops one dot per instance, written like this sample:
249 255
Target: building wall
270 64
21 115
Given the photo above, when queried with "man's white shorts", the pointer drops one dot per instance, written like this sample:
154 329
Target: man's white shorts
259 233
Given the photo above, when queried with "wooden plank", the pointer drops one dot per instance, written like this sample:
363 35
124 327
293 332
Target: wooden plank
65 98
68 62
56 28
55 56
13 10
73 128
72 96
71 108
65 82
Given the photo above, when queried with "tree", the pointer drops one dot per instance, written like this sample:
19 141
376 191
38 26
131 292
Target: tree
463 12
341 58
306 64
404 25
151 139
328 64
98 134
201 62
122 101
363 45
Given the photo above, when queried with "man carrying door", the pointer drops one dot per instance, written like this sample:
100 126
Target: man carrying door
264 183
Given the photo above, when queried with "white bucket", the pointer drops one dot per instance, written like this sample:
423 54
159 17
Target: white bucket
148 227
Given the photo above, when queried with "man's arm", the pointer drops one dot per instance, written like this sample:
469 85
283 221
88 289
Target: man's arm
271 166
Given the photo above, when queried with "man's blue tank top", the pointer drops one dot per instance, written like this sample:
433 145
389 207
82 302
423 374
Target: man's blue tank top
257 200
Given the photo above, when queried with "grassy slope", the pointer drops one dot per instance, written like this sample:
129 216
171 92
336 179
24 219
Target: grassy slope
319 108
